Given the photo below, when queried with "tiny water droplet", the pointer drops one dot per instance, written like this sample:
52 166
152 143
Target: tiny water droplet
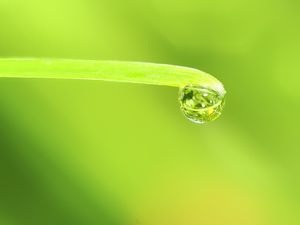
200 104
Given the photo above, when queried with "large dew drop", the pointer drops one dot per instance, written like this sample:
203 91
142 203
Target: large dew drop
200 104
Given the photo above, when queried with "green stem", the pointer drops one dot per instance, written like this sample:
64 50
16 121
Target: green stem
117 71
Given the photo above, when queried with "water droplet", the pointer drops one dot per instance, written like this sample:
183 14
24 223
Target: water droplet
200 104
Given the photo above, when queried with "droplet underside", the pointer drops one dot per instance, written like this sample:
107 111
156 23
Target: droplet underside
200 104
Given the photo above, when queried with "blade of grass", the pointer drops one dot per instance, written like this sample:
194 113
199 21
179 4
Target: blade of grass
117 71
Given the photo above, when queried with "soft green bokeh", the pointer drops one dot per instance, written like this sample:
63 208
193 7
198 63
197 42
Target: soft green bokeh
91 152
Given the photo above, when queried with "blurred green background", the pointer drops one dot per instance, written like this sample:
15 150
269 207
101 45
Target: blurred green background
92 152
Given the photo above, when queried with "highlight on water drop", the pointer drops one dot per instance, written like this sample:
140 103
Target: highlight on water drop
200 104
